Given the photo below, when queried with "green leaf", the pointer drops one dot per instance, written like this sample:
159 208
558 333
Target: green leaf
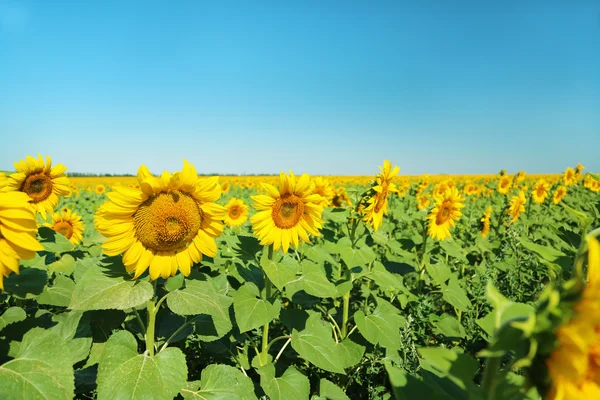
65 265
450 327
315 344
201 297
220 382
76 332
174 282
54 242
382 327
456 295
291 385
280 272
12 315
27 284
408 387
315 282
99 291
546 252
330 391
458 367
452 249
355 257
59 294
250 310
439 273
41 369
385 279
125 374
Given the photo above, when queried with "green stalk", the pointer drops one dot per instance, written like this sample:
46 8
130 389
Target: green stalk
489 377
346 307
150 327
265 338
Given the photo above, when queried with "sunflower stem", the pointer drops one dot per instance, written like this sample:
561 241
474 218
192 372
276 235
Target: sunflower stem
489 377
151 306
346 307
265 338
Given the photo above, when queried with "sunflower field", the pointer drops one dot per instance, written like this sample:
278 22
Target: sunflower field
182 286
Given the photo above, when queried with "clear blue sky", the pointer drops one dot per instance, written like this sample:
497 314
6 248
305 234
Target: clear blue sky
324 87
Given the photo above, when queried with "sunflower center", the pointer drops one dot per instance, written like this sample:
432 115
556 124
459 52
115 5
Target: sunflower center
444 213
287 211
167 221
37 186
234 212
540 191
380 200
337 200
64 228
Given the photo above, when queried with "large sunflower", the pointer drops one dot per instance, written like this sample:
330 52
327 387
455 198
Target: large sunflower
43 183
569 177
166 224
324 189
516 206
574 365
559 194
504 185
287 214
18 231
485 220
445 213
377 204
540 191
68 223
237 212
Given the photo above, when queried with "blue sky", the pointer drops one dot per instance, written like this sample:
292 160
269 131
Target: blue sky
324 87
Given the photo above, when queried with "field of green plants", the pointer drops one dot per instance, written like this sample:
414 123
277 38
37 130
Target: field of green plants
382 303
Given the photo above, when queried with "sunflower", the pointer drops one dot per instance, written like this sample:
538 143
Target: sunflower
237 212
519 177
68 223
485 228
288 213
225 186
376 206
41 182
579 169
323 188
540 191
569 177
340 198
559 194
591 183
166 224
422 201
504 185
100 189
445 214
573 365
18 230
516 206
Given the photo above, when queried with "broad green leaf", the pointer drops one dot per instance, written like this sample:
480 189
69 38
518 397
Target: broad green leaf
125 374
439 273
65 265
28 283
358 257
291 385
250 310
330 391
385 279
458 367
546 252
211 327
452 248
315 282
382 327
199 297
450 327
54 242
220 382
456 295
59 294
76 333
174 282
12 315
408 387
280 272
99 291
41 369
315 344
349 352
